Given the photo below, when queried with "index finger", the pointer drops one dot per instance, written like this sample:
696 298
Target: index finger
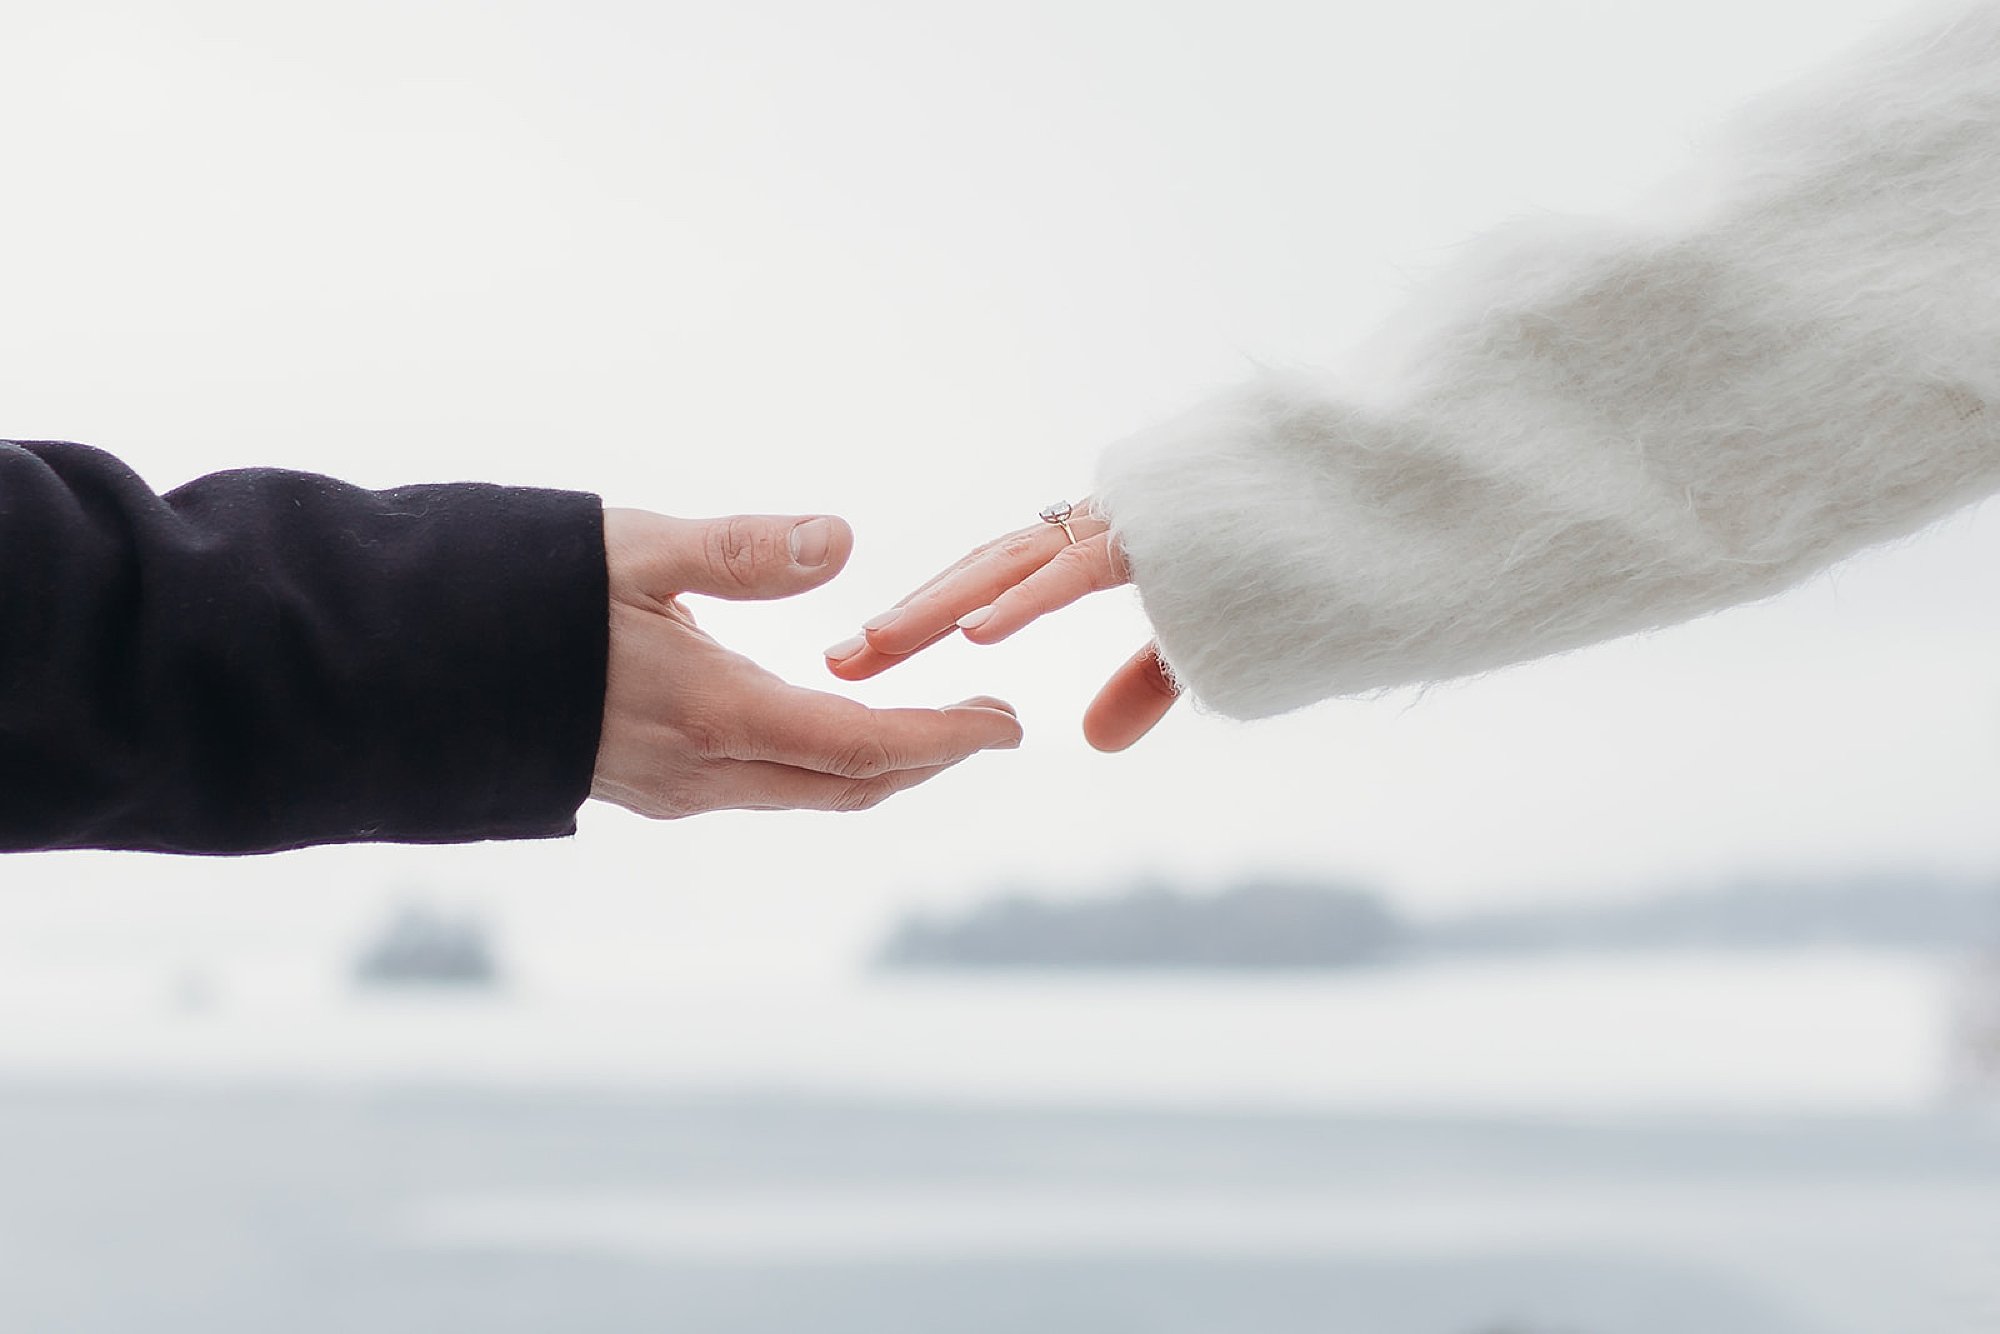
833 735
936 608
932 612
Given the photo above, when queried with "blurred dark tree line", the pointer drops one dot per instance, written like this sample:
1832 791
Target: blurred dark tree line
1266 923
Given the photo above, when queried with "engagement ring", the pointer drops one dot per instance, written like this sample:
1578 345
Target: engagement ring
1059 515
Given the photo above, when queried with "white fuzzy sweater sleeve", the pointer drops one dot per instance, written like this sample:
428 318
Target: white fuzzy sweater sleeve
1591 429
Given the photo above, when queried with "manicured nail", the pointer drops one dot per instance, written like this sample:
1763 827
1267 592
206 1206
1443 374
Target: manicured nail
972 620
846 649
811 541
884 621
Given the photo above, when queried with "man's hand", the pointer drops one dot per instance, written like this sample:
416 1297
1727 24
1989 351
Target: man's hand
690 726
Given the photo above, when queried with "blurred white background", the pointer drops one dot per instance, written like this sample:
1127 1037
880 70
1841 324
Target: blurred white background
913 264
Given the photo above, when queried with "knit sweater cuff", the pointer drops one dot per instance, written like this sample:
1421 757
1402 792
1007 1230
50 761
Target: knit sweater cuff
1586 429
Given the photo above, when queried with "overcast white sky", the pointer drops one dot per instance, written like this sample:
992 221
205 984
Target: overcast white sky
913 263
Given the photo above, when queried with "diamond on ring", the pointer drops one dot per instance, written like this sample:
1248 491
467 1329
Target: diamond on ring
1059 515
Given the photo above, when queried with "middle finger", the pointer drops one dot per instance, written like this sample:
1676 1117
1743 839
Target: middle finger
935 610
932 611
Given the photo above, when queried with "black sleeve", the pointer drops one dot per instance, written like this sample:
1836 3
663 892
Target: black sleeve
264 660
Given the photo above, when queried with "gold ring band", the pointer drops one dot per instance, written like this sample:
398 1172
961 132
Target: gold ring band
1059 514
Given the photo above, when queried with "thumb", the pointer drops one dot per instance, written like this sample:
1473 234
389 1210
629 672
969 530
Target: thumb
750 556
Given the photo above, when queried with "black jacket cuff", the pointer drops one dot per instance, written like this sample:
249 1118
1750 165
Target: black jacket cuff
263 660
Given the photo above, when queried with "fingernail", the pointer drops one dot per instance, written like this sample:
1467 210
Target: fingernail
811 541
883 621
846 649
972 620
1013 741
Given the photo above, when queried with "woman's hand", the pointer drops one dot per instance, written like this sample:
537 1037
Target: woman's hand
1003 587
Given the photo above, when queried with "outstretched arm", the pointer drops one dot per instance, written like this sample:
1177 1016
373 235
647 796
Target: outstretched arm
263 660
1594 428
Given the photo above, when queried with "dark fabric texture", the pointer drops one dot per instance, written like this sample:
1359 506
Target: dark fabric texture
262 660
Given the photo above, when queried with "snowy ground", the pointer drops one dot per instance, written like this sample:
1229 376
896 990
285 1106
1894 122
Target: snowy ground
1808 1032
1740 1144
232 1211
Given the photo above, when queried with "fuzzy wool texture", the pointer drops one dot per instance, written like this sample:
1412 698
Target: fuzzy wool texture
1587 429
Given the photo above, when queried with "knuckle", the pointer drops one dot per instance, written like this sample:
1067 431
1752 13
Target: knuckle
1083 565
1076 557
734 550
862 758
704 738
1021 544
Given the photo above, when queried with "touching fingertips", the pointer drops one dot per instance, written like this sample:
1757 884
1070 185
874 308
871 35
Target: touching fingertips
846 649
884 621
972 620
